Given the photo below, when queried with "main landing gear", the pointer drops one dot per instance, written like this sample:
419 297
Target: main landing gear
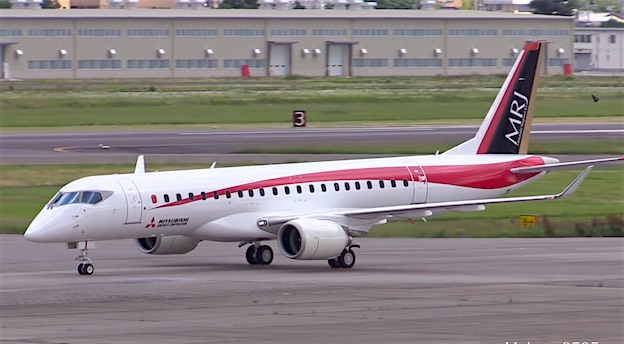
345 260
257 254
86 265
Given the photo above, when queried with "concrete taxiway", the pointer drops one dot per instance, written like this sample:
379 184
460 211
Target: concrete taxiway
400 291
209 145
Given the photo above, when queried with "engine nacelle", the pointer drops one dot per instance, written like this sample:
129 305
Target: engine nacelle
312 239
177 244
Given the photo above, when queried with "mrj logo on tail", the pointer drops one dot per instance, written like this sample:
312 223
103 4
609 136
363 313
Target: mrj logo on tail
517 116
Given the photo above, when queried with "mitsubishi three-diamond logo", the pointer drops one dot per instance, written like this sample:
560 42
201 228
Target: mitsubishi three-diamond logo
151 224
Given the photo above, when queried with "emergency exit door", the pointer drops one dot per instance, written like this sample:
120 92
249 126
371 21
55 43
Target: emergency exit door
133 201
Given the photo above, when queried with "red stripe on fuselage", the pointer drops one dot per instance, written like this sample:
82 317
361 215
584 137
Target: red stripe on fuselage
482 176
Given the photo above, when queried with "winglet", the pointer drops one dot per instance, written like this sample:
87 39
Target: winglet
140 165
575 183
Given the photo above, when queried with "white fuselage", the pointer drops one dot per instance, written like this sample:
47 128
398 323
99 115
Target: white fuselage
136 205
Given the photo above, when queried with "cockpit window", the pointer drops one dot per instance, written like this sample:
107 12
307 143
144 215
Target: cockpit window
68 198
88 197
91 197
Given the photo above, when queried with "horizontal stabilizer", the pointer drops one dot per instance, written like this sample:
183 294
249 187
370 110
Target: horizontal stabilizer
549 167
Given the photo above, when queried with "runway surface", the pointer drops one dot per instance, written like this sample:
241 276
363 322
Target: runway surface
221 145
400 291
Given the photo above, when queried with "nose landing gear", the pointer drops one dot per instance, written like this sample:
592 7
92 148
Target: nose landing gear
86 265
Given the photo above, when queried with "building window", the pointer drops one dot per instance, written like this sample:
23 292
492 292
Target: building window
417 63
473 32
582 38
50 33
473 62
197 64
197 32
238 63
148 64
612 39
509 62
147 33
10 33
370 32
99 33
49 64
243 32
534 32
99 64
329 32
370 63
288 32
418 32
557 62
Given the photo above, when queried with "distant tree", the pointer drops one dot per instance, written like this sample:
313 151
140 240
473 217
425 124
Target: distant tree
50 4
554 7
395 4
247 4
612 23
607 5
5 4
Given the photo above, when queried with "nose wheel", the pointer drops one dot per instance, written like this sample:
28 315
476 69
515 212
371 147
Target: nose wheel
86 265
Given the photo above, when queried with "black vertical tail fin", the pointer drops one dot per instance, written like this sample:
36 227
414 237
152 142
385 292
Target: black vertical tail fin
507 126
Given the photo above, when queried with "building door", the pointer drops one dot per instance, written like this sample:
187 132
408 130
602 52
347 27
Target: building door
336 59
133 201
279 60
582 61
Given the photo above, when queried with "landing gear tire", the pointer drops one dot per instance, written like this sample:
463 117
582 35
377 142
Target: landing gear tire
250 255
88 269
264 255
81 269
333 263
346 260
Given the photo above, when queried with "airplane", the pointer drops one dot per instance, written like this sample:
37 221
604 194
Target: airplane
314 210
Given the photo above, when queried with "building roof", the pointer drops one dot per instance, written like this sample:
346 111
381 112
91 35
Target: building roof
262 14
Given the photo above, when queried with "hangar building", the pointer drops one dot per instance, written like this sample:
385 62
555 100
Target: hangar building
184 43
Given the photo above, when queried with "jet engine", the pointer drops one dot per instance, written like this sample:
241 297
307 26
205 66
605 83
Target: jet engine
312 239
177 244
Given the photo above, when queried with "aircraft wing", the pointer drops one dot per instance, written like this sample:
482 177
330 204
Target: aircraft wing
425 209
549 167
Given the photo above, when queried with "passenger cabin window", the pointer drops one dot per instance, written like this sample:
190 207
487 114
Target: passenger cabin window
369 184
262 192
215 194
203 196
405 183
311 188
191 196
275 191
347 186
228 194
240 193
84 197
336 187
323 188
166 197
178 197
393 183
154 199
287 190
299 189
381 184
357 185
251 193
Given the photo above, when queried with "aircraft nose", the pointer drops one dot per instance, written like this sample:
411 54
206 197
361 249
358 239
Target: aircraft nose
34 234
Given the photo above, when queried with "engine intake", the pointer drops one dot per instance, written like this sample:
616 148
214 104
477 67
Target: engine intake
312 239
177 244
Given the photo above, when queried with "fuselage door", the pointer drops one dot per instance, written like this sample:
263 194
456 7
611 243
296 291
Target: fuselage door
133 201
419 180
